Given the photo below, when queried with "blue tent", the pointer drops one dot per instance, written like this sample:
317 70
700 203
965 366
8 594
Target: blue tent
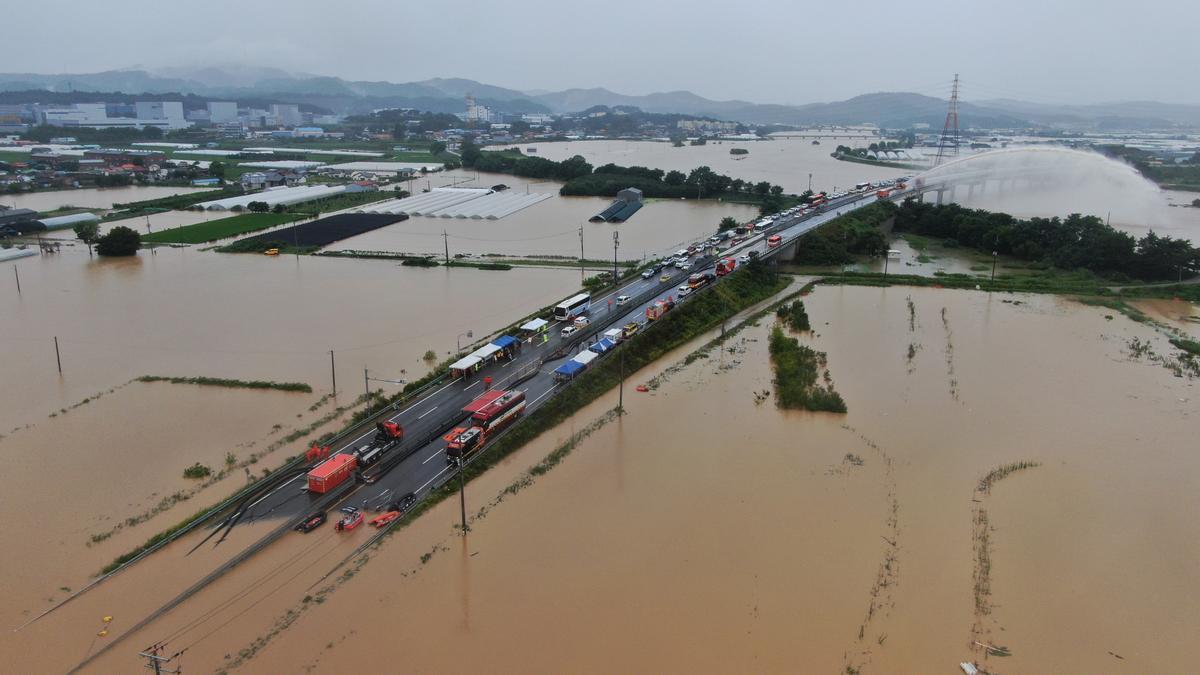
505 341
602 346
568 370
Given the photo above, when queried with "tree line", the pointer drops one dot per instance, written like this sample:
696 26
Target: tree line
605 181
1074 242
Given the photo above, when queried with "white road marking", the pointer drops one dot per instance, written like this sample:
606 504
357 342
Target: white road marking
472 385
542 396
439 474
427 412
423 398
435 454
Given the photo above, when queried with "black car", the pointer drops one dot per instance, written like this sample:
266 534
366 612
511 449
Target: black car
404 503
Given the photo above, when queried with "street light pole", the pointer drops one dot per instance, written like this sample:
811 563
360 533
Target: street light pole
616 243
458 340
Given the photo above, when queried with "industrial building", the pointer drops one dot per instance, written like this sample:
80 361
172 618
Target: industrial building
165 115
221 112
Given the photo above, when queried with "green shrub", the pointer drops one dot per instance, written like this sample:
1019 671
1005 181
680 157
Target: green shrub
797 376
197 470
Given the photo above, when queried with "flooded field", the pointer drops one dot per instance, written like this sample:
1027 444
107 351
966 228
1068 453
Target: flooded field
91 198
189 312
786 162
782 542
117 457
551 228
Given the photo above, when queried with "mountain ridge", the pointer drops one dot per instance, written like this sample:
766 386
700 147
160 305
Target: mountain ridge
885 109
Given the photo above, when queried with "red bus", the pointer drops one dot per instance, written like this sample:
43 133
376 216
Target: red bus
500 410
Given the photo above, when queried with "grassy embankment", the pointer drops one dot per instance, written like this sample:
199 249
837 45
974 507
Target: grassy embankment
230 383
220 229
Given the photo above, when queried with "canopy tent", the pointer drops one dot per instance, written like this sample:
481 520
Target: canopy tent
465 363
568 370
505 341
485 352
585 357
602 346
535 325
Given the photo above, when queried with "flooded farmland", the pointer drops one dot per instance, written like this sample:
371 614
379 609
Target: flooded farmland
707 532
786 162
91 198
189 312
552 227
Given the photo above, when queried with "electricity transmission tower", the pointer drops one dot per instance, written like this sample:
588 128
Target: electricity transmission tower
948 145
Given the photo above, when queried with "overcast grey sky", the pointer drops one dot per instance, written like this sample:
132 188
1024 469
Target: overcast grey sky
1054 51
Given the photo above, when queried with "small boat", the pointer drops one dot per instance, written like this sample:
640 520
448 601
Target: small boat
380 521
351 520
312 522
271 251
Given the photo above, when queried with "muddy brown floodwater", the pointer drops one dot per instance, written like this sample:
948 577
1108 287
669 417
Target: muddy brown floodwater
92 198
190 312
705 532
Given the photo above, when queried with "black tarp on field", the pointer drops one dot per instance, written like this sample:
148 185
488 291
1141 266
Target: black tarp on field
324 231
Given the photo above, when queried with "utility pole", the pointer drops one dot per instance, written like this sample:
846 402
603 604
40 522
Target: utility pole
810 182
621 389
18 274
446 241
616 243
367 387
332 372
57 355
462 494
157 662
580 250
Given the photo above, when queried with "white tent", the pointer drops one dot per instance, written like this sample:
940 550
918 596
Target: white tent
585 357
465 363
485 352
535 325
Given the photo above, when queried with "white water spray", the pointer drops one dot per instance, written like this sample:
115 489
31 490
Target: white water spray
1053 181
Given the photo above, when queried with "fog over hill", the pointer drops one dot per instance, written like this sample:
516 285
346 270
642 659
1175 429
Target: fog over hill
886 109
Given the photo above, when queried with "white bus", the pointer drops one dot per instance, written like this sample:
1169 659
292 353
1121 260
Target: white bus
573 307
